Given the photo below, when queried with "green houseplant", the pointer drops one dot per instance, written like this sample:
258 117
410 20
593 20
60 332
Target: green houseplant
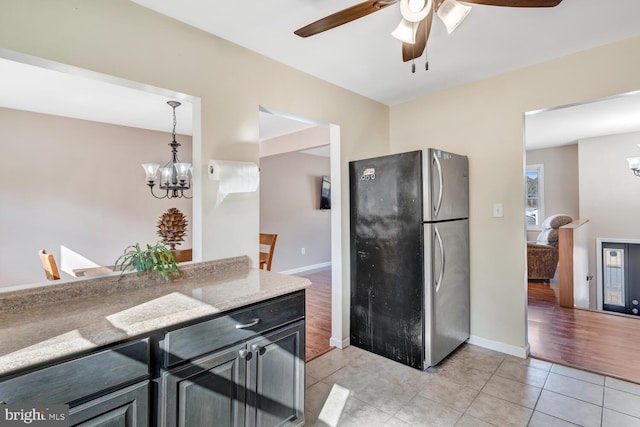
154 259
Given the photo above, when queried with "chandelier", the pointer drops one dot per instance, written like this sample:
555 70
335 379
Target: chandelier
175 176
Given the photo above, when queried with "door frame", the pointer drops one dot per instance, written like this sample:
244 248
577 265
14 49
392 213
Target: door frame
339 338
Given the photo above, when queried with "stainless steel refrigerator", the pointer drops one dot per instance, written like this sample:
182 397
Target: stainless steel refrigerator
410 255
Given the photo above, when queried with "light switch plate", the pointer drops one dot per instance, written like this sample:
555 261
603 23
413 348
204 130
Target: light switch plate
498 210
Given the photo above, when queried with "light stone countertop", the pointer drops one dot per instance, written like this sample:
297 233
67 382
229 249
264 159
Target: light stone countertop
86 314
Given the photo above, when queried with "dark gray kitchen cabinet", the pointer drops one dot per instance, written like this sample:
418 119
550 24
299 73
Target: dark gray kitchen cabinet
87 385
257 383
275 383
241 367
80 378
206 392
127 407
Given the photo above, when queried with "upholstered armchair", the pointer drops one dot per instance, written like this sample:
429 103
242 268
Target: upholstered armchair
542 255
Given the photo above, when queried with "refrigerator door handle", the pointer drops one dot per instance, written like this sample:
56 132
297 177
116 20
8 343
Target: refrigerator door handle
442 260
441 188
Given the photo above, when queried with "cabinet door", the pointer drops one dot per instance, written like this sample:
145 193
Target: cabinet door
275 387
127 407
206 392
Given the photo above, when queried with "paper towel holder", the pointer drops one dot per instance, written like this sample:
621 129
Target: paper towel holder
211 169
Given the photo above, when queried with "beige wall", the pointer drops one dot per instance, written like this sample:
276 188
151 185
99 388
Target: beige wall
560 180
290 207
79 184
484 120
609 192
119 38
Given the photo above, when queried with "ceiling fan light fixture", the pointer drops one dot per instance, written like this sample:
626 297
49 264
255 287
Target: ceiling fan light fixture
415 10
452 13
634 165
405 31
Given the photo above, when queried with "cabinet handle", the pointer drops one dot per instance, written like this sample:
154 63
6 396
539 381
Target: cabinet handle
254 322
257 349
244 354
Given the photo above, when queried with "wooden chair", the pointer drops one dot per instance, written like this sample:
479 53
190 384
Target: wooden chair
266 257
49 264
182 255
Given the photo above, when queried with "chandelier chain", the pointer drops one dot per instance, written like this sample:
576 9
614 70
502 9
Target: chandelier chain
174 124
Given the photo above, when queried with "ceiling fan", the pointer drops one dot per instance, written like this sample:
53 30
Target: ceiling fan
417 17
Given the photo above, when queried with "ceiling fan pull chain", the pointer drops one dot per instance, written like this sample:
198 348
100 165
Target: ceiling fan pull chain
426 60
413 61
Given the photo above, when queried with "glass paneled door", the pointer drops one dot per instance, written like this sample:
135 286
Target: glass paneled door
621 277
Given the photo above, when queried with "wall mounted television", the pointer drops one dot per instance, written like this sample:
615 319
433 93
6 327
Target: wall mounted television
325 193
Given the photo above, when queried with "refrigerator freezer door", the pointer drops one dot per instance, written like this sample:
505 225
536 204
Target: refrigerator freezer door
386 257
447 288
446 186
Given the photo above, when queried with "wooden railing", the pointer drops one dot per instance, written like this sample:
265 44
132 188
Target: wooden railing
573 264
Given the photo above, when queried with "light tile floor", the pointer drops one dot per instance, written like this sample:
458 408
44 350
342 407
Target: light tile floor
473 387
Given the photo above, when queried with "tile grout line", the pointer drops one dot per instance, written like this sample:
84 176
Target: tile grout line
469 362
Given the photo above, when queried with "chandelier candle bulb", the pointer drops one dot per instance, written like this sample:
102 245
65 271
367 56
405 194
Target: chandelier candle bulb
166 176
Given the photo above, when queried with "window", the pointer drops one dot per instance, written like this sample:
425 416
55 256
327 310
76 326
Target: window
534 214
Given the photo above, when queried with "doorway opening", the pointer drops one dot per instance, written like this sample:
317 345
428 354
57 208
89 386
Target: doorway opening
299 162
583 149
89 119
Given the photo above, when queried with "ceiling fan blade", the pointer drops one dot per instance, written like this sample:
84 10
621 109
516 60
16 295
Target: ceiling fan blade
344 16
516 3
410 51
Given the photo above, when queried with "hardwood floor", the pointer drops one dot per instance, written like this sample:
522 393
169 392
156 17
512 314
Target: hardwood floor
607 344
318 313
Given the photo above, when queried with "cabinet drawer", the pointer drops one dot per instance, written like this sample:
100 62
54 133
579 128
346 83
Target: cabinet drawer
79 378
205 337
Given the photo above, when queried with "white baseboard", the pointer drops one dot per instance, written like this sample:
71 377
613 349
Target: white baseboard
513 350
336 342
306 268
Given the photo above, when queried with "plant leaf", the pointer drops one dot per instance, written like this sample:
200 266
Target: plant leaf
156 259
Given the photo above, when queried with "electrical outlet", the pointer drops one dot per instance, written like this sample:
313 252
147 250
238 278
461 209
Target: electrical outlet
303 251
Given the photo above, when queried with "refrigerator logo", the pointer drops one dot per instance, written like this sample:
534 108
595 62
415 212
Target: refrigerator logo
368 174
443 155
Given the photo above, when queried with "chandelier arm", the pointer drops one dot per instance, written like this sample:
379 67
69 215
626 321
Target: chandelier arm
154 194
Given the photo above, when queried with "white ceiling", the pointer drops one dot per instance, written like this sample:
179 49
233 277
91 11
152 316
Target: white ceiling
274 125
567 124
47 91
360 56
363 57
